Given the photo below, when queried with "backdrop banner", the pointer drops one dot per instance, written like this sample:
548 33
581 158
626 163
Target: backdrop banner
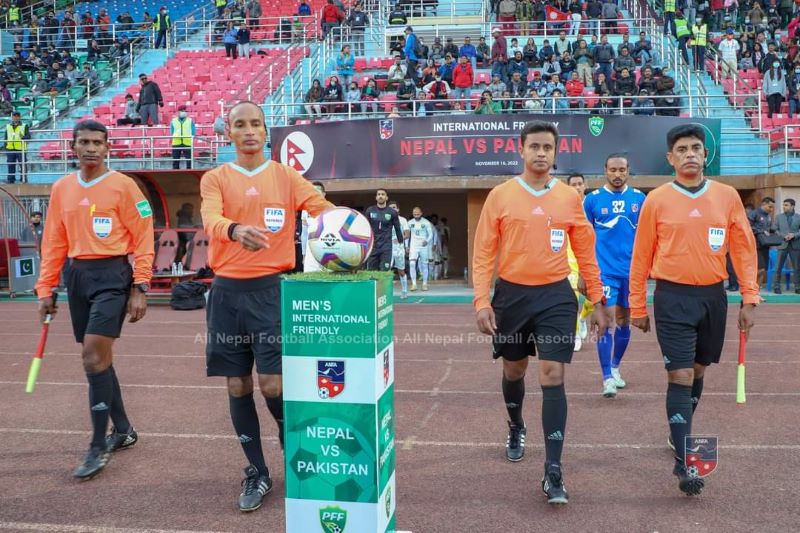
475 145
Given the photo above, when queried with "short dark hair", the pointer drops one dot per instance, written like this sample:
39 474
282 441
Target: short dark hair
683 131
35 213
381 189
88 125
789 201
393 202
767 200
575 175
142 75
318 184
617 155
539 126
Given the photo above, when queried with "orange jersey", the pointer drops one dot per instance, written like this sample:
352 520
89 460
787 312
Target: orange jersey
268 197
683 237
106 217
530 229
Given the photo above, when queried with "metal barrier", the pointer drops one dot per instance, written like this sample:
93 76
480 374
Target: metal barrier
269 31
422 9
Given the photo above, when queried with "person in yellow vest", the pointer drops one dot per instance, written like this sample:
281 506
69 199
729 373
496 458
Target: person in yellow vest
221 5
699 40
14 16
183 132
578 182
669 18
683 35
161 25
16 135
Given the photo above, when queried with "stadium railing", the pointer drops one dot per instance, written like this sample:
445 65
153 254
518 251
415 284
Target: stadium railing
207 33
418 11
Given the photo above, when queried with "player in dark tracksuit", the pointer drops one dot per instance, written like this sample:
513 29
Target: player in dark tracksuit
383 219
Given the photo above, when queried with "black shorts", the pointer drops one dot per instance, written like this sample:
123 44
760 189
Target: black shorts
380 260
244 325
534 318
690 323
762 253
98 292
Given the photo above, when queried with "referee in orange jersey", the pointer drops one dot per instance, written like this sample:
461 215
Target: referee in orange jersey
249 210
96 217
686 228
524 229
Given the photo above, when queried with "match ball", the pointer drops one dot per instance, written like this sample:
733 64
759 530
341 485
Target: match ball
340 239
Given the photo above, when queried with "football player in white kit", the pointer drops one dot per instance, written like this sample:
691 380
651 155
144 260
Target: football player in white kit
422 235
399 252
310 264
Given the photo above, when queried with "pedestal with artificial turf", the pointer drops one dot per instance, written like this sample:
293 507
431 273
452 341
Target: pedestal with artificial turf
338 388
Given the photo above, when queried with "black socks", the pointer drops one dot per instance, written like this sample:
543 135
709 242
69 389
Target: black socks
554 421
679 415
118 416
248 430
514 394
101 395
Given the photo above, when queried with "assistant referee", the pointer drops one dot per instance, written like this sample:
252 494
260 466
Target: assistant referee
97 217
686 228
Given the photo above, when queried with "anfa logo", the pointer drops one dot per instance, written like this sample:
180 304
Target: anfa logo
332 519
388 501
102 226
701 455
330 378
557 238
274 218
716 238
297 151
596 125
386 128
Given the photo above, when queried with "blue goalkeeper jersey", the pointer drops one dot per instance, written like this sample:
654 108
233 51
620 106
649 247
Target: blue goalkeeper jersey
614 216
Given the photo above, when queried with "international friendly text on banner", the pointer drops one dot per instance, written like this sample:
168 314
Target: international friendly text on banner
477 145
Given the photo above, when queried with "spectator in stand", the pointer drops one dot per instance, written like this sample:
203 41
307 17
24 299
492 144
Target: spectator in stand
567 65
429 72
506 103
497 86
524 15
230 40
331 18
40 85
253 13
499 54
313 98
437 50
93 53
729 50
626 43
625 87
604 56
482 52
643 50
182 130
303 9
584 62
103 27
395 113
758 55
398 16
446 70
647 81
438 90
665 82
352 97
450 48
59 85
370 95
562 44
411 48
773 17
603 88
554 84
793 85
87 26
344 64
774 87
624 61
537 84
463 79
530 52
575 89
609 12
298 30
406 93
423 50
746 62
68 31
558 104
358 20
332 95
644 105
545 51
551 67
575 9
507 14
517 88
468 49
243 41
533 103
131 117
668 104
513 48
149 101
458 109
162 24
593 11
771 57
519 65
398 47
397 73
487 105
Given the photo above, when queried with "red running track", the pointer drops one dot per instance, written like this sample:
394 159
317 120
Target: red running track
452 474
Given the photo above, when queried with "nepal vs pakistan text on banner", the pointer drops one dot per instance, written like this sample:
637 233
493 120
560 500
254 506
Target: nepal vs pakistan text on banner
470 145
338 389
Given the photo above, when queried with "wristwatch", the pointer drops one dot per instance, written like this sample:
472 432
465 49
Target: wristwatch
142 287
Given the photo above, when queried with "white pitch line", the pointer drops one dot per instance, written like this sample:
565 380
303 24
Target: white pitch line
414 442
72 528
427 392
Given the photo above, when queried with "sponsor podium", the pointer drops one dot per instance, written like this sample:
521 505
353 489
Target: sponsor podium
338 387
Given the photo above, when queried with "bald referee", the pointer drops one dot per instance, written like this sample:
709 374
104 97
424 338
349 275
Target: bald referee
686 227
249 210
523 234
97 217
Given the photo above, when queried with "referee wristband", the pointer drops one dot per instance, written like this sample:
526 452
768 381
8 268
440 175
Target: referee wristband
231 229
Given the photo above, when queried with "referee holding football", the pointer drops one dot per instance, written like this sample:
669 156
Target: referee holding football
249 209
524 228
686 228
96 218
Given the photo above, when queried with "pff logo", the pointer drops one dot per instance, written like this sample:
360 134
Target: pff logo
297 151
596 125
332 519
